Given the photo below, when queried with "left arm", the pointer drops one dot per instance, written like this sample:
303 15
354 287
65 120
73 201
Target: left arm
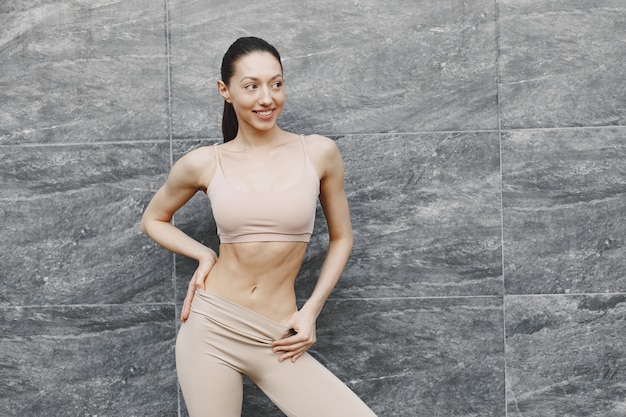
337 213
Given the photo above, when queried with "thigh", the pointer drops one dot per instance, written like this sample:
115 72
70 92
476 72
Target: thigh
211 388
307 389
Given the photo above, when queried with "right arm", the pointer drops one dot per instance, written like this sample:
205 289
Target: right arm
188 176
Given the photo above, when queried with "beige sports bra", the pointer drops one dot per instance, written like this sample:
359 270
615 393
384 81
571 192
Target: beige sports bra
282 216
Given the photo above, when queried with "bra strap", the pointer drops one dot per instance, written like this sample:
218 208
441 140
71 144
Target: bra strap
306 154
217 158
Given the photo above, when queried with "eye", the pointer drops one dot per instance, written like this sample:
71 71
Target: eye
277 84
250 87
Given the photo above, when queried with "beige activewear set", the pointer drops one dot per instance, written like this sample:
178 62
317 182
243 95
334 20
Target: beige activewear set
221 341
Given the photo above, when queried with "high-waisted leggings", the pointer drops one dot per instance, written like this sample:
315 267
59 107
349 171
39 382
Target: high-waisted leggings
221 340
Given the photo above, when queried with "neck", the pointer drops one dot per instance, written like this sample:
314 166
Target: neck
255 139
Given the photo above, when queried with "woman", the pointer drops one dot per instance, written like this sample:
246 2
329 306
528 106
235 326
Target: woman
240 314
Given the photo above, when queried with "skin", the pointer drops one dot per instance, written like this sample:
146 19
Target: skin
258 275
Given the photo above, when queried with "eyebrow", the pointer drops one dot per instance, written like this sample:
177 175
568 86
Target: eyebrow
256 79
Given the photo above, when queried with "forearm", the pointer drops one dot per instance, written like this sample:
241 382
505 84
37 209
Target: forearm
173 239
334 264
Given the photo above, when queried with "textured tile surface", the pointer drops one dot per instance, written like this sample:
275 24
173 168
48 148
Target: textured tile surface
411 357
350 66
71 225
426 216
564 202
565 356
562 63
87 361
82 71
87 306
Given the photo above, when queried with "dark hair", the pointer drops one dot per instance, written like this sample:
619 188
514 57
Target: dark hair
240 48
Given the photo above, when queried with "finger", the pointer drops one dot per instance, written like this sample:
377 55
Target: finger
287 344
291 344
290 351
184 314
191 289
293 356
290 348
295 338
284 342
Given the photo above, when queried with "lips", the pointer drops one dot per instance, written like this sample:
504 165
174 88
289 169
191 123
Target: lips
264 114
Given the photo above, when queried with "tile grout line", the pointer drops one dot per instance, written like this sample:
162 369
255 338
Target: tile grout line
580 294
447 297
411 297
499 118
171 138
475 296
169 120
125 304
171 161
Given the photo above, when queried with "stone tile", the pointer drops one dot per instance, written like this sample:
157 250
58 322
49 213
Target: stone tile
414 357
108 360
564 195
350 66
82 71
562 63
565 355
71 225
425 213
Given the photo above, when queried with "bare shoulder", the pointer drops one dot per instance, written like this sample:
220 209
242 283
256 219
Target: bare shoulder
198 157
321 144
324 154
196 167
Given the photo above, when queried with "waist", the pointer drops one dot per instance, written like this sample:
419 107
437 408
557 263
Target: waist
251 259
259 276
237 318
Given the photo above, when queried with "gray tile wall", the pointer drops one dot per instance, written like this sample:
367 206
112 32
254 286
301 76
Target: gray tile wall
484 143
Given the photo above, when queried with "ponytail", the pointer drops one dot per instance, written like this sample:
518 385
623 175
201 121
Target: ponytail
230 125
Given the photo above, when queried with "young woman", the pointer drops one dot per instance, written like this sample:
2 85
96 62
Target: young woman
240 314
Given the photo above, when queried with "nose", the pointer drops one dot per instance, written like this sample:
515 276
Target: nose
265 98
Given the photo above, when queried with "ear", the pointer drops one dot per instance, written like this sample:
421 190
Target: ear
223 89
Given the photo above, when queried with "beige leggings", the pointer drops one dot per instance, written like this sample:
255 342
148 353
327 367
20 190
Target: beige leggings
221 340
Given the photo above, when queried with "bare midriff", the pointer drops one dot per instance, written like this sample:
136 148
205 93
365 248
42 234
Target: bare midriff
259 276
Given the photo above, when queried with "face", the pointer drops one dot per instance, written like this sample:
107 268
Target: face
256 90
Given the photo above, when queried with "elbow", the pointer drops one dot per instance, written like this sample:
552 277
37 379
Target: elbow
144 225
345 241
150 225
349 243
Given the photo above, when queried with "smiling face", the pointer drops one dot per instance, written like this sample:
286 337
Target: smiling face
256 91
